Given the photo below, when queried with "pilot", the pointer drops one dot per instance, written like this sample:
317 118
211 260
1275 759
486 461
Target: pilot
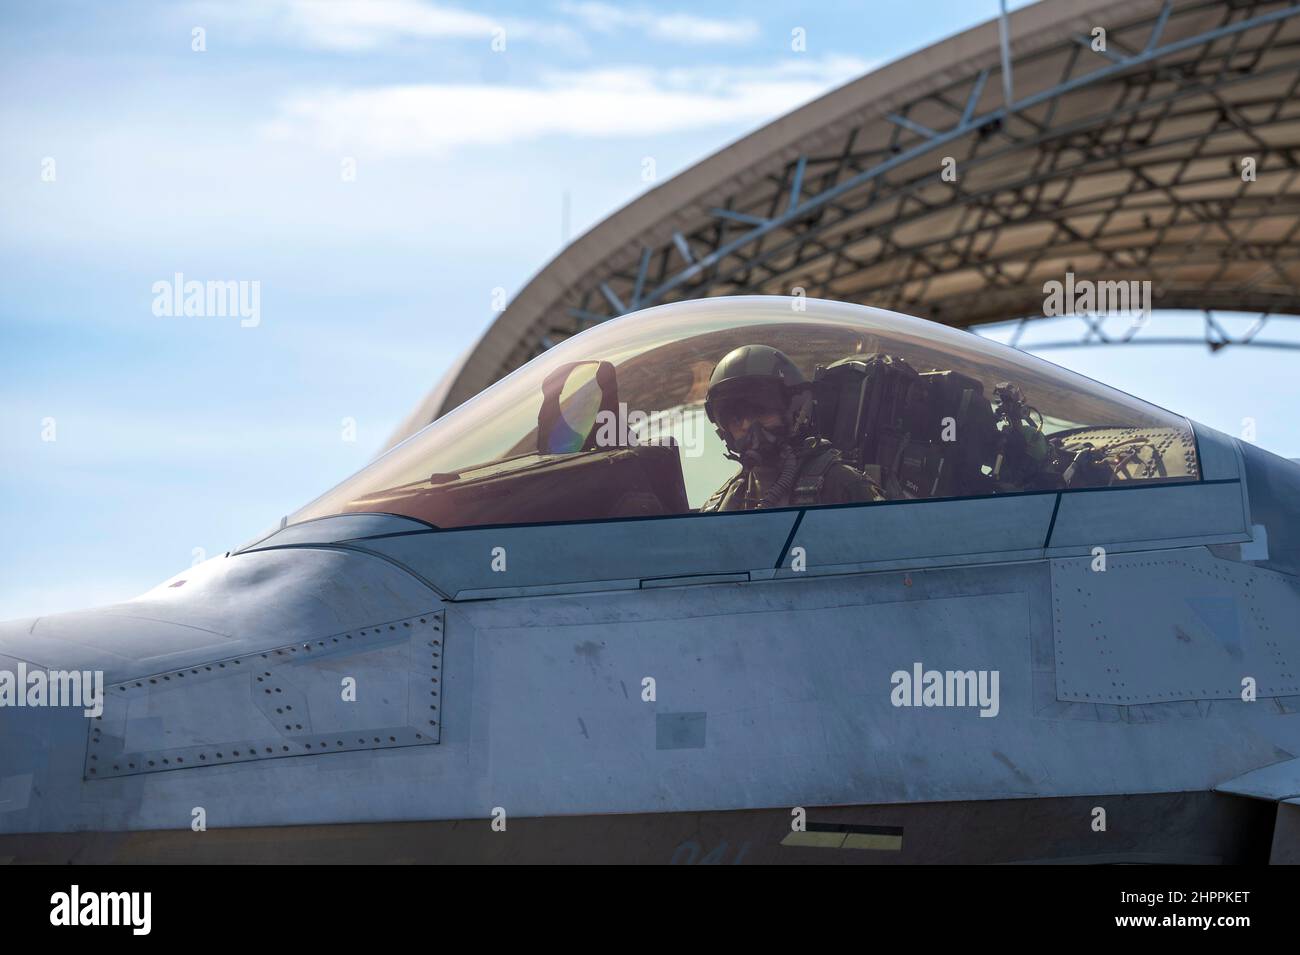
762 408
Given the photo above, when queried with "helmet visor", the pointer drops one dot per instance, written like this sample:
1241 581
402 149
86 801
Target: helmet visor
748 400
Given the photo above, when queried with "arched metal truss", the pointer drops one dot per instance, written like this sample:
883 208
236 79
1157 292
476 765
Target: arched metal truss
1117 165
1216 331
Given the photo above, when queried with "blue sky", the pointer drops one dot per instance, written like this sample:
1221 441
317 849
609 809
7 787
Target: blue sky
178 437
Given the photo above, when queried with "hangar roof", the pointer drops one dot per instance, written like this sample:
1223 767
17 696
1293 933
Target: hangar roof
1122 164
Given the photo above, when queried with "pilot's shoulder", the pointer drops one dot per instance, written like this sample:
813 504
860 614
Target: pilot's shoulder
715 500
846 482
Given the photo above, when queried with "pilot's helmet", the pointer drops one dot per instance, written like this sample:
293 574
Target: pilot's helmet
750 381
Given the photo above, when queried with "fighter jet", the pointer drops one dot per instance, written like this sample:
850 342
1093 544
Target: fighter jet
1062 628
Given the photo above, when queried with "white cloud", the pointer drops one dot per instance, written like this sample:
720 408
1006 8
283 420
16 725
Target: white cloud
363 25
353 25
674 27
435 119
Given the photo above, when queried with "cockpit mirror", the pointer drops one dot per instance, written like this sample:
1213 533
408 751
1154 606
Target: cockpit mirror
573 396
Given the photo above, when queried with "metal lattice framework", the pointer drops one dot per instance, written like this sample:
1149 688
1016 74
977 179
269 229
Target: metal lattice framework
1216 332
1119 165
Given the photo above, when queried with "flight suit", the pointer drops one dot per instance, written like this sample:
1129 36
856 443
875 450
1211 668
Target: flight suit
820 478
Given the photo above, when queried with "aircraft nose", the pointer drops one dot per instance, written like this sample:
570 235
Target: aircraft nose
55 672
110 640
43 732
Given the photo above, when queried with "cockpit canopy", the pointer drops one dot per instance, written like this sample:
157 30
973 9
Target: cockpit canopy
611 423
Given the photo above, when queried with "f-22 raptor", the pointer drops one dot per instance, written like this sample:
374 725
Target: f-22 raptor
1061 626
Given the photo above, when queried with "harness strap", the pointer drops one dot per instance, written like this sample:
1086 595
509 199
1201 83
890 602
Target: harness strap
808 488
